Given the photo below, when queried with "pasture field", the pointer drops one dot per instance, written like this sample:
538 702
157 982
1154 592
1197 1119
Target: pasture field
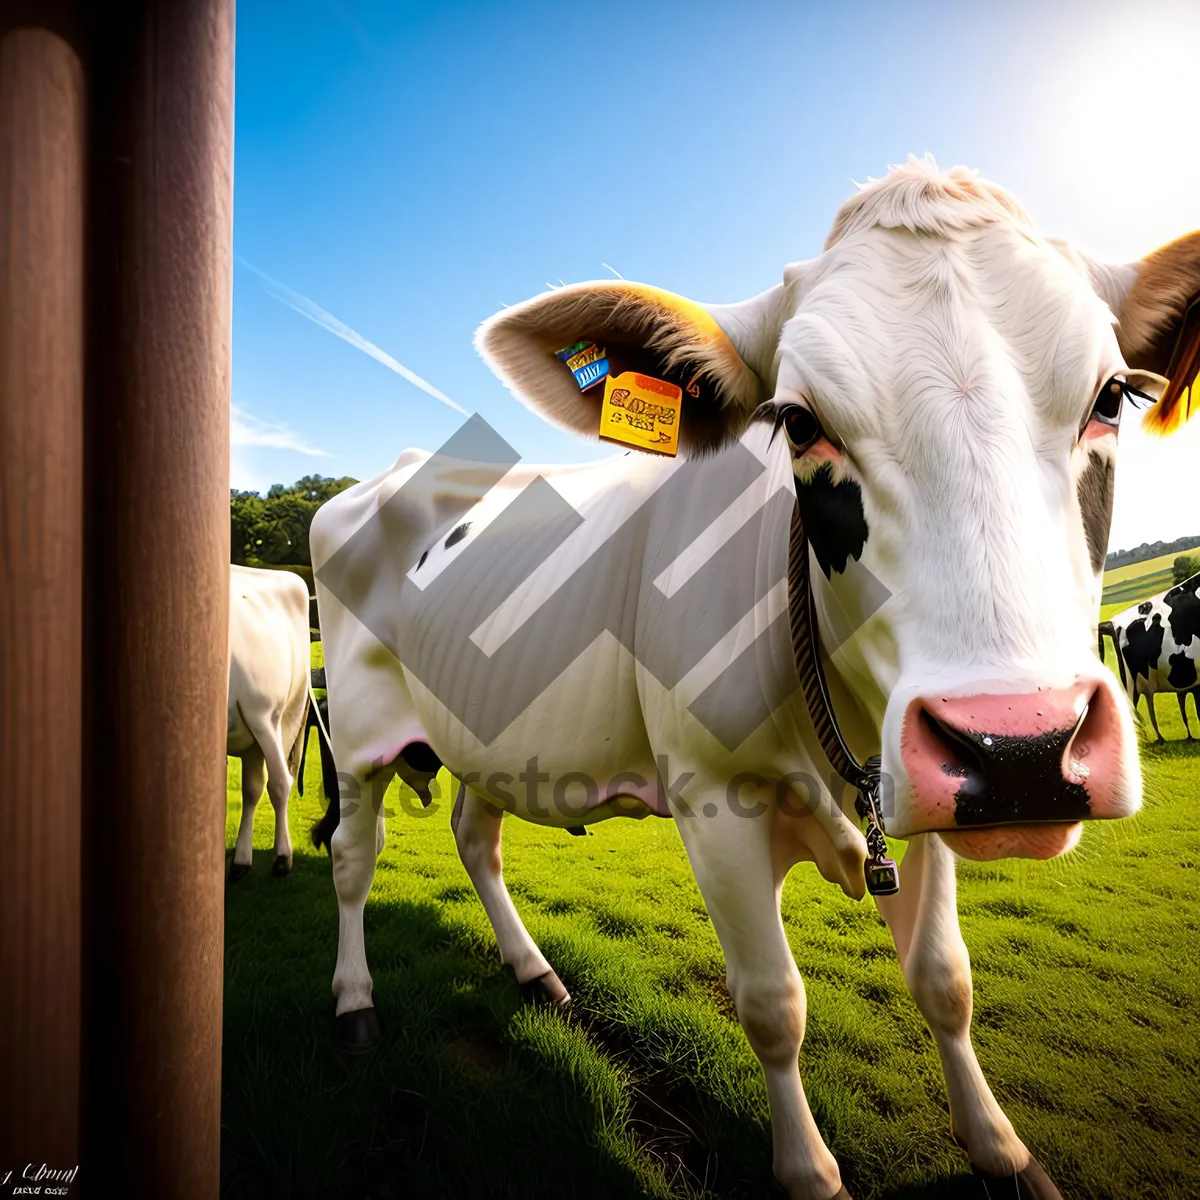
1148 566
1124 586
1086 1020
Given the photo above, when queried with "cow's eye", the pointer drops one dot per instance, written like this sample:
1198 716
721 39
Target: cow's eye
800 425
1107 408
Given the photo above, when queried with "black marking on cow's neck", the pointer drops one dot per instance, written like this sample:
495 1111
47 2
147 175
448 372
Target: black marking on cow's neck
1095 491
457 534
1146 606
1182 674
833 518
1143 646
1184 603
1005 780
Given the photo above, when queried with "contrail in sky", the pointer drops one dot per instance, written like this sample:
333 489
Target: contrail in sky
315 313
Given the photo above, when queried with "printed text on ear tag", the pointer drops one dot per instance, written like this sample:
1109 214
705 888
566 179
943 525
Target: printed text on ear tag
586 361
641 411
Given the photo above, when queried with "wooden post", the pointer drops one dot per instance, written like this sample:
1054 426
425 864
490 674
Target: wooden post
158 450
115 269
42 170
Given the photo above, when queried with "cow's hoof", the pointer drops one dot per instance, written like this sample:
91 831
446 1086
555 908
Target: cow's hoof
357 1031
238 871
1030 1184
282 865
547 991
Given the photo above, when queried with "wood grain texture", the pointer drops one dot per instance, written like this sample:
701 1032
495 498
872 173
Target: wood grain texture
42 168
159 479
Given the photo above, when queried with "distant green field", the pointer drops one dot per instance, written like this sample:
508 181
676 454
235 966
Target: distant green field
1128 585
1139 588
1086 973
1148 567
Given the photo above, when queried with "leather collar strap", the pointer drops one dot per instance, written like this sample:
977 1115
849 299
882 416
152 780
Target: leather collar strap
881 873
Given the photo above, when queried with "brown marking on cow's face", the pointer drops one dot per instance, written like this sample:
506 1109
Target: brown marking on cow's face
1095 490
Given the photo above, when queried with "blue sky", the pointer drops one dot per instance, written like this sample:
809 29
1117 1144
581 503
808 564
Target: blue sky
410 168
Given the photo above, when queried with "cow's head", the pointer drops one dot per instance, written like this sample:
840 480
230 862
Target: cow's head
949 385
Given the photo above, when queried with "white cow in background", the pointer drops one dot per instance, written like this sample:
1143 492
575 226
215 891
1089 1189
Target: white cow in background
268 698
938 394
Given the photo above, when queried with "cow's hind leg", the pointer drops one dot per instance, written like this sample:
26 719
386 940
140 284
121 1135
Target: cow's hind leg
477 828
354 848
279 786
254 778
1182 698
923 918
731 859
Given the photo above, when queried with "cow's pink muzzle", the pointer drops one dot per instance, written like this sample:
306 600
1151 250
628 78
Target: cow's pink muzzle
1014 775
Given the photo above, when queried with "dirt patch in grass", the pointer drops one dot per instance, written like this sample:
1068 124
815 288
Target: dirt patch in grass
477 1052
718 993
667 1116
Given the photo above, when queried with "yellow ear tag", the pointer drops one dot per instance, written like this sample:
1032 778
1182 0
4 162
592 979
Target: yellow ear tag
641 411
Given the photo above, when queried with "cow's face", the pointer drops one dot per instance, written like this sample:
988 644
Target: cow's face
949 387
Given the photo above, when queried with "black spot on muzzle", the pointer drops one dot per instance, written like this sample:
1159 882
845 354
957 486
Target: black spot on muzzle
1011 780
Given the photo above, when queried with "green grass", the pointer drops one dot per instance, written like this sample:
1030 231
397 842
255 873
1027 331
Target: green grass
1086 976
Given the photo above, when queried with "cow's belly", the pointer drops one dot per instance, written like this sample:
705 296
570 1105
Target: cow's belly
576 754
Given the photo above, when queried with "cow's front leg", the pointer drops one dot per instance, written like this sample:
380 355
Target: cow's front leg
353 848
1149 698
731 858
477 827
923 918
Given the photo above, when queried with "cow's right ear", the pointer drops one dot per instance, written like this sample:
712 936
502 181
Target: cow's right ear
633 327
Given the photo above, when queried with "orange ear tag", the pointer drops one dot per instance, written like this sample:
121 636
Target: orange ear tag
642 412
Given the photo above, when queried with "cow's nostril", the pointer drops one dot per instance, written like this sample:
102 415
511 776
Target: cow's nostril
992 759
962 754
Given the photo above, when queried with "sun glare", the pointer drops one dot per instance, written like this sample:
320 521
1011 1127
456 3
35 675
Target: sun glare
1125 148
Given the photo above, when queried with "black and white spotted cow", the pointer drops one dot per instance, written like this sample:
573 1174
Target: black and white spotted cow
939 394
1158 643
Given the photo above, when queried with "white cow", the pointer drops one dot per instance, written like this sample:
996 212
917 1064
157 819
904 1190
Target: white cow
268 698
1158 648
942 390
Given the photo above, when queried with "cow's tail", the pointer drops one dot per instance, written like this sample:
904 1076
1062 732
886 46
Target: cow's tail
1106 627
322 832
295 762
317 676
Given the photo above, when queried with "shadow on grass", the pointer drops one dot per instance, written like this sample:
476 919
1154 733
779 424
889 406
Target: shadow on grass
452 1103
457 1100
957 1187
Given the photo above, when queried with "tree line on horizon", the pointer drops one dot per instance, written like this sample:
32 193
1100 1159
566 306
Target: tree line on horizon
272 530
1122 558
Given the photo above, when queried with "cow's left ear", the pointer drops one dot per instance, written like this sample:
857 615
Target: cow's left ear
1157 305
555 351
